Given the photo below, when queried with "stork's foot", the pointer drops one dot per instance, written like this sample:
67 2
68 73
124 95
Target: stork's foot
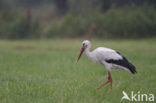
109 80
105 84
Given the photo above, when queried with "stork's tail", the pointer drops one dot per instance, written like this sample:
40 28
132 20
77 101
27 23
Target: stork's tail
132 68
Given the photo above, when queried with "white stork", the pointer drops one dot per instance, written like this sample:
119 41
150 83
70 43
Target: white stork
111 59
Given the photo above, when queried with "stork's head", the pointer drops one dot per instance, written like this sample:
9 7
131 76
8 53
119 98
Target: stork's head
85 44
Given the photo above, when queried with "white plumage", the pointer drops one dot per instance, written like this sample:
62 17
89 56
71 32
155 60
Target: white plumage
110 58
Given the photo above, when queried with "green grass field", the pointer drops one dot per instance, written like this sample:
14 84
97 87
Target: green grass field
46 71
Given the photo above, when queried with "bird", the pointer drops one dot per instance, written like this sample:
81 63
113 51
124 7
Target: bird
110 58
125 96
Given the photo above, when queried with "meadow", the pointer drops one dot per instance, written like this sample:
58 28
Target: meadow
47 71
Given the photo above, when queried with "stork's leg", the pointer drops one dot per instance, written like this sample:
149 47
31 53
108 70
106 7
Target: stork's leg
109 80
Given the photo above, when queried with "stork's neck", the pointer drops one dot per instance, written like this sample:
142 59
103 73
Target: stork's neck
88 53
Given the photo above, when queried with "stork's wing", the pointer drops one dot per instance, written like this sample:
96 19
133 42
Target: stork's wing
106 54
122 62
113 57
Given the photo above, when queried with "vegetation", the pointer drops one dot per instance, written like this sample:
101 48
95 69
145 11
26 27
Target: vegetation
47 71
15 26
22 19
132 22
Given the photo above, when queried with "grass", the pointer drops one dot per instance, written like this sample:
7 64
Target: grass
46 71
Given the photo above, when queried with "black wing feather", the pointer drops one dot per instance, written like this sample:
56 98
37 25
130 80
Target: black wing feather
123 62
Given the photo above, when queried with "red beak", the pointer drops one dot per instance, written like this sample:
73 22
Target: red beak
81 51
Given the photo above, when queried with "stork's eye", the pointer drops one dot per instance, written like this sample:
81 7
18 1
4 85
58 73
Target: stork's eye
83 44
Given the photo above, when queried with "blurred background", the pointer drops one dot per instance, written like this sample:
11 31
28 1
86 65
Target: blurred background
32 19
40 42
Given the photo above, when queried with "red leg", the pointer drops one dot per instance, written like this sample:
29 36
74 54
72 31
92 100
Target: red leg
109 80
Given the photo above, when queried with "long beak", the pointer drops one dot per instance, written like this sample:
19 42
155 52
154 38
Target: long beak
81 51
